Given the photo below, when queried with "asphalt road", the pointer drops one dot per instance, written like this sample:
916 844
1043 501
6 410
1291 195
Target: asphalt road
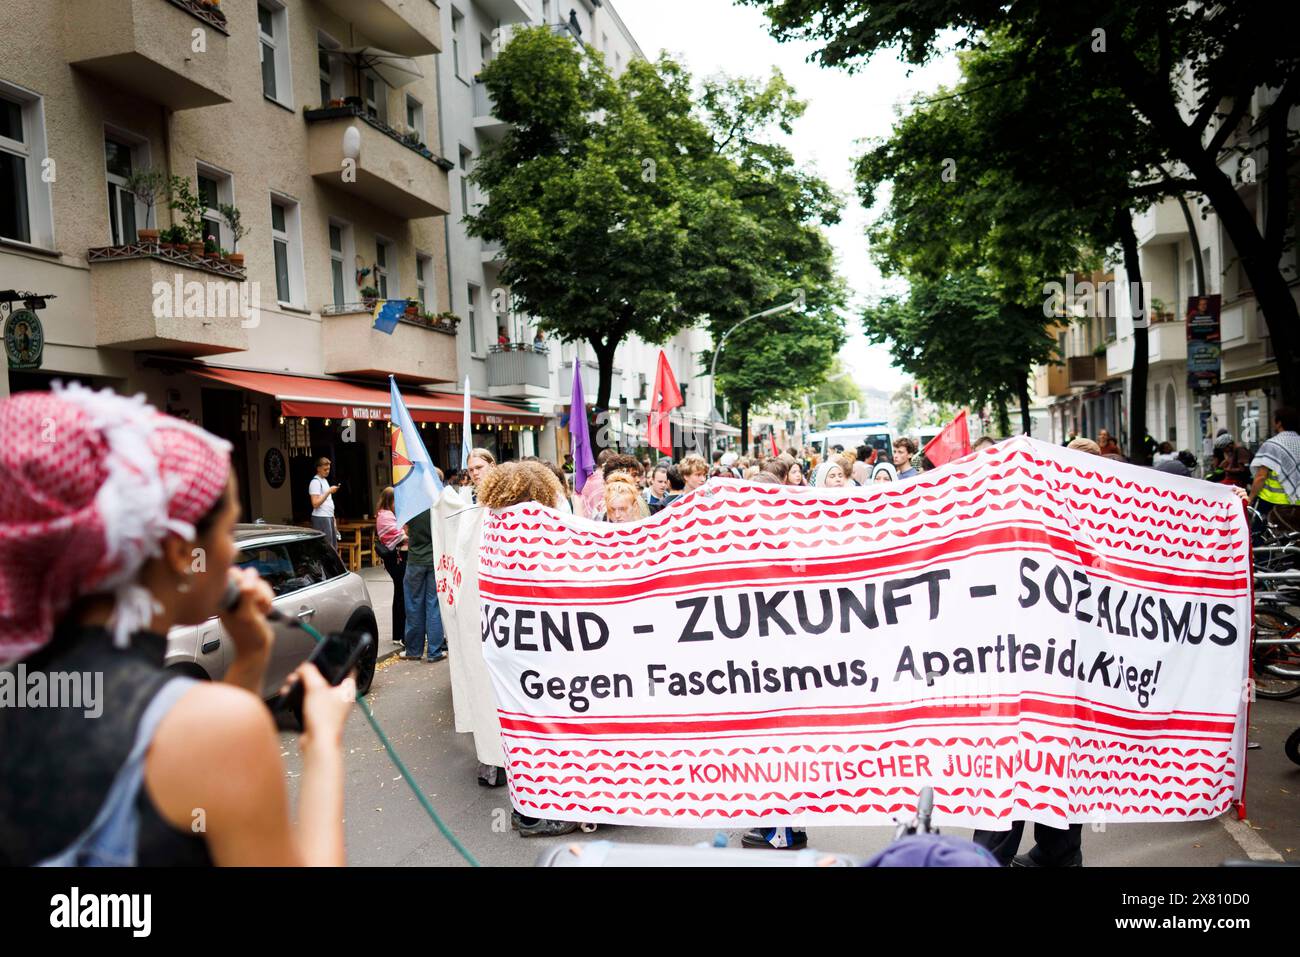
412 702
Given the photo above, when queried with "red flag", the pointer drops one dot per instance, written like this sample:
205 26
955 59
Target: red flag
772 435
952 443
659 434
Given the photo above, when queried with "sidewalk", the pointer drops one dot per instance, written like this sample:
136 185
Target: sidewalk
380 587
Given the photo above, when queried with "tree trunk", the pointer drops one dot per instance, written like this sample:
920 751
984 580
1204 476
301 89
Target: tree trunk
1026 420
1137 403
604 349
1004 418
744 429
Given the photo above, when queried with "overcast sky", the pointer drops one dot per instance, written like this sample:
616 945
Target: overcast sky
715 36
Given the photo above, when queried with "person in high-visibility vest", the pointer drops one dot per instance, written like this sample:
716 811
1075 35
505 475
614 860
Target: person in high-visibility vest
1276 466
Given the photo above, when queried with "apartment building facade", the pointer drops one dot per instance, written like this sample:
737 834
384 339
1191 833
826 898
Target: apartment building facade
501 352
317 120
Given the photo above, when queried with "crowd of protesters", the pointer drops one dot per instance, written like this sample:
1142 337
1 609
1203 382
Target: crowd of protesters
140 493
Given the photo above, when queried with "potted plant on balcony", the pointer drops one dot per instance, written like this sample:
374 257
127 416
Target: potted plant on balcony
230 213
368 295
412 309
148 185
211 248
181 199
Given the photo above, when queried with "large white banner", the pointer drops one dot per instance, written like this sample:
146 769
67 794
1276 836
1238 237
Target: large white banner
456 528
1037 633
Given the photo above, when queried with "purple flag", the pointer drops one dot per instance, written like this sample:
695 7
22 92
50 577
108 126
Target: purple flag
579 437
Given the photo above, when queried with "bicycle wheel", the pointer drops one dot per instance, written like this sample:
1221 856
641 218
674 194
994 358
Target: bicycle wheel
1293 746
1277 667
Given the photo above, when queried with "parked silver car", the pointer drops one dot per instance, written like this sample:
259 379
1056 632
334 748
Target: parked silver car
310 583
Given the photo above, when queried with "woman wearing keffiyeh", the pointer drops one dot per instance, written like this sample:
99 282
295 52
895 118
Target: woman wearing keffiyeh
116 524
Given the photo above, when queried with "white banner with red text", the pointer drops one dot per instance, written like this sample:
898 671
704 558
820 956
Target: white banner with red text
1034 632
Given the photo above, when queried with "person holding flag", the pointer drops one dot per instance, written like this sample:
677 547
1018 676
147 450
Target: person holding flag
416 487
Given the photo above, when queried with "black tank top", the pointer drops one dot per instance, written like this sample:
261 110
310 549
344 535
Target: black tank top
57 764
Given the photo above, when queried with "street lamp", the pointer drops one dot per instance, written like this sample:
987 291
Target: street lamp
797 301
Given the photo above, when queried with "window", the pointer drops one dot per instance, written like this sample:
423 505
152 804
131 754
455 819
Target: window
386 269
546 11
273 34
336 262
415 116
215 189
376 98
465 157
273 566
314 562
119 160
423 273
457 26
484 51
472 318
330 67
286 243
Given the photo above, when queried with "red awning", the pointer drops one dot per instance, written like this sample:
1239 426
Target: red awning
335 399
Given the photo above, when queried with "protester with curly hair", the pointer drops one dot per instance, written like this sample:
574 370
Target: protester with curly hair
513 484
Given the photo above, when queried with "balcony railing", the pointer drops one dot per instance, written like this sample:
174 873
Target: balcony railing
179 257
1087 370
352 347
485 118
129 313
447 323
518 369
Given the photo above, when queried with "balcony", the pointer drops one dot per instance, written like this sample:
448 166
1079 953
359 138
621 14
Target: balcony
1161 222
564 30
485 122
508 11
519 370
1086 370
402 178
408 27
1051 380
493 253
416 351
146 48
130 315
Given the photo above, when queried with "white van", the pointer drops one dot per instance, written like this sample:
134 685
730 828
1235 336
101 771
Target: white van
850 434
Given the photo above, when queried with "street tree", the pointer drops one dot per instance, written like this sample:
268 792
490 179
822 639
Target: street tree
776 358
1195 75
614 212
959 337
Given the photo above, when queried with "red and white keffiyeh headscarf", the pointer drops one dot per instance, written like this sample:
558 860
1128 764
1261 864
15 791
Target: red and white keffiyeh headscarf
91 482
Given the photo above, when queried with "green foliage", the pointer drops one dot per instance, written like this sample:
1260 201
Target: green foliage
838 387
959 337
1093 101
619 213
777 358
183 200
148 185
